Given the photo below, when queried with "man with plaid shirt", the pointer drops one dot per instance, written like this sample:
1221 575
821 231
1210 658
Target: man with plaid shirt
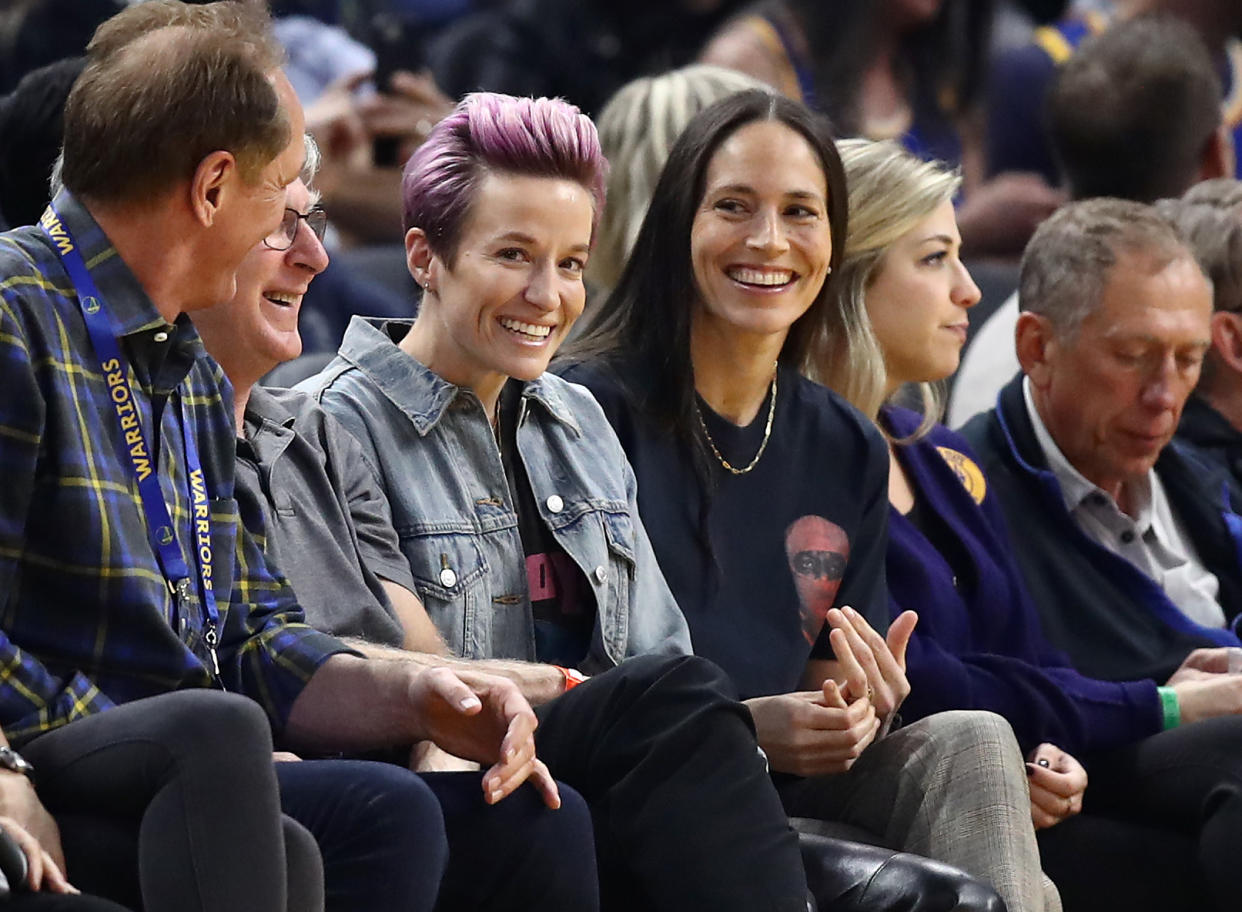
124 571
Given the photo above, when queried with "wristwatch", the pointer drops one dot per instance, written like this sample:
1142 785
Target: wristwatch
14 762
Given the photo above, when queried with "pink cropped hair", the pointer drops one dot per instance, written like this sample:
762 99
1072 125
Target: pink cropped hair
492 133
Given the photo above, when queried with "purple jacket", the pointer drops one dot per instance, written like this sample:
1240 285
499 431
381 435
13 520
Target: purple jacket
978 644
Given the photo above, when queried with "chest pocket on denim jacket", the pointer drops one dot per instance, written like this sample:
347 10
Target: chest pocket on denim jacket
449 574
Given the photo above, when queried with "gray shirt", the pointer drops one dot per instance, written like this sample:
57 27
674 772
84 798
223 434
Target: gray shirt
305 490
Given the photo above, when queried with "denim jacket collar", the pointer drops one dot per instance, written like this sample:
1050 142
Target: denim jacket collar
424 396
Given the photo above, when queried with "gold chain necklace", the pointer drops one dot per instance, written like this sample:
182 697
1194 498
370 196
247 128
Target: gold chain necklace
767 433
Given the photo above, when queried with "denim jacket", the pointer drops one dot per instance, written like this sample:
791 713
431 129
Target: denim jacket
432 447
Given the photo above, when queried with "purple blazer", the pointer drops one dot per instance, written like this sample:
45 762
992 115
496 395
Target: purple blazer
978 644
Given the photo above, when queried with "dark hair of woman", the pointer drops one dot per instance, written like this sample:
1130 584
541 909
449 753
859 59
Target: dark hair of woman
648 315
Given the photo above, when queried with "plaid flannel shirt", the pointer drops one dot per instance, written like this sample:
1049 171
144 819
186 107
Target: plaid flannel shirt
86 617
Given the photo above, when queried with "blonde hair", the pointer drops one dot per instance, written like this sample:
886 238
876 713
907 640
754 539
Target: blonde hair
637 128
890 192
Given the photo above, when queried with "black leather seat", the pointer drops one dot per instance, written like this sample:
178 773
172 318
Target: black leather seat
846 876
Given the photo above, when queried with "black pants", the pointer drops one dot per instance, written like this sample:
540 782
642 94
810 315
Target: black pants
57 902
186 777
685 814
1161 825
394 841
184 783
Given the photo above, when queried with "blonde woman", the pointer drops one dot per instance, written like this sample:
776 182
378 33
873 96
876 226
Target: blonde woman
1152 836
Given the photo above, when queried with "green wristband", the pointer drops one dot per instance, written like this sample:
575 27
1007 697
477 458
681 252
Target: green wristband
1169 706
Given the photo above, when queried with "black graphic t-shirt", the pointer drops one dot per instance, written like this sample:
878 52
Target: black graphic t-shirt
756 563
560 599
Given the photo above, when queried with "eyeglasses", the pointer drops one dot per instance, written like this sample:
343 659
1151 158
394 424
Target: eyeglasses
284 236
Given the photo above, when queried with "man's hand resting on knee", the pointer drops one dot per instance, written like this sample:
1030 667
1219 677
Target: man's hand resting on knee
483 718
356 704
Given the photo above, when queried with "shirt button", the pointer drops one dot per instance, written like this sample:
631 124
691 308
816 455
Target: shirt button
448 579
555 504
1098 499
601 575
1127 537
160 336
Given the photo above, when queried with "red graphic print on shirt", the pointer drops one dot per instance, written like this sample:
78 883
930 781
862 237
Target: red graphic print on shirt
818 551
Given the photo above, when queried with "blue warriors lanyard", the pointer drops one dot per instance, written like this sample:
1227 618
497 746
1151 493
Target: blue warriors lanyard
138 454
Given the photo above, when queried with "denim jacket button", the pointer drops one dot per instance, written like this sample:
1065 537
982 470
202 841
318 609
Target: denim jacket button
601 575
555 504
448 579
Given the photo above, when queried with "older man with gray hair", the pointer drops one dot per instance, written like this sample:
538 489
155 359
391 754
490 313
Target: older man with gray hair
1129 543
1126 540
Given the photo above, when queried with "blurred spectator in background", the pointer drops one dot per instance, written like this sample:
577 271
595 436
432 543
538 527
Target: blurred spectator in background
358 68
910 70
1018 137
1136 115
637 128
31 131
1209 217
583 50
34 33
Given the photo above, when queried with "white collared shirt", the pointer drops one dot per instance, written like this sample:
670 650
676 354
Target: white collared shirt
1153 540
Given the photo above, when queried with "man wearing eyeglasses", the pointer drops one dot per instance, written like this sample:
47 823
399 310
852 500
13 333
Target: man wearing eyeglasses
299 477
302 487
126 579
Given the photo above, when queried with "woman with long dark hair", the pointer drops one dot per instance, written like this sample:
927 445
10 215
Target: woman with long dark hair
766 497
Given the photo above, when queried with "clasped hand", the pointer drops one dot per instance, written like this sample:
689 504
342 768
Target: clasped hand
819 732
1205 687
814 733
483 718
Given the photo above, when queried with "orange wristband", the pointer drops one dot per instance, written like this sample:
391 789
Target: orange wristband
573 677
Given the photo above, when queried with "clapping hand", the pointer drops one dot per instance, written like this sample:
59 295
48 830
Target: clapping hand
872 665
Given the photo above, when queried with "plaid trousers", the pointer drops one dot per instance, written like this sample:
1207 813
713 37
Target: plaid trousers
951 787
